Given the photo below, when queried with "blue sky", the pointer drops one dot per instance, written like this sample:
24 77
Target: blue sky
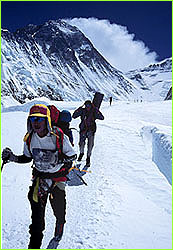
149 22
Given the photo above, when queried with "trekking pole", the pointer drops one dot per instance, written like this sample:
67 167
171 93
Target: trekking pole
3 163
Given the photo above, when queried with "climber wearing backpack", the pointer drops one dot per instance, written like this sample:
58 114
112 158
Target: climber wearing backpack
88 115
52 154
64 123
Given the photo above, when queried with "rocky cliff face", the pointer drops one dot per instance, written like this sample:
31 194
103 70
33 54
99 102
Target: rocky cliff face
57 61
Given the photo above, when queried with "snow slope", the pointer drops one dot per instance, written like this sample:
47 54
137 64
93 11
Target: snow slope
162 153
154 81
127 203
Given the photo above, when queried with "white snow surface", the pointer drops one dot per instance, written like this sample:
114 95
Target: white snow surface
162 153
127 203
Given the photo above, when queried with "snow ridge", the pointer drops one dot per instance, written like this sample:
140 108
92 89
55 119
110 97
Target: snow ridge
57 61
154 81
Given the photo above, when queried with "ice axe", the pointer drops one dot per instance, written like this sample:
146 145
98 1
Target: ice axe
5 161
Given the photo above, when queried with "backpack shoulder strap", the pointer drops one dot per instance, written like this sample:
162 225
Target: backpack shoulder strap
27 139
59 138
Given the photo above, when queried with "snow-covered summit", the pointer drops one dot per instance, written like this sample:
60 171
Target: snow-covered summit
154 81
164 65
57 61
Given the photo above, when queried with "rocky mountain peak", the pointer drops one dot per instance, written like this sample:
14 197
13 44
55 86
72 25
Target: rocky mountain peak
58 61
162 66
152 79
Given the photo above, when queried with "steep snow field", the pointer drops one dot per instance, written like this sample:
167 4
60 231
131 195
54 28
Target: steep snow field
127 203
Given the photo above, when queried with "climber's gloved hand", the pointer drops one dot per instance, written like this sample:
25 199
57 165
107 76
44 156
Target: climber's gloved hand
7 155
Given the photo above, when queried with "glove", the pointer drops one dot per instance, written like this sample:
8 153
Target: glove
7 155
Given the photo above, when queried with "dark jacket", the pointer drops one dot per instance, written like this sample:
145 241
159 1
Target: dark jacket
88 118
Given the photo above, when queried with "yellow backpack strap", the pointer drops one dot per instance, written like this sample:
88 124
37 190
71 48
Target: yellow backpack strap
26 137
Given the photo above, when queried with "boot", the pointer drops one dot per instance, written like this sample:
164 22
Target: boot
53 244
80 156
88 161
35 241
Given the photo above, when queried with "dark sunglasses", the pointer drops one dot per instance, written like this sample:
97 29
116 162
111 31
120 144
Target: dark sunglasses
36 118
